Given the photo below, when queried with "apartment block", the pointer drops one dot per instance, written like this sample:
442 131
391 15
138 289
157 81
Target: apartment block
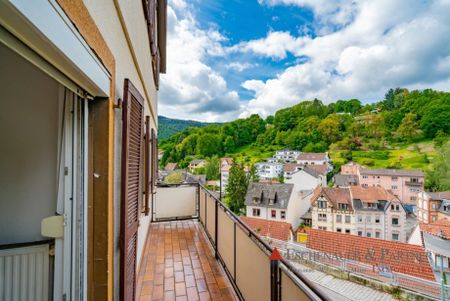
404 183
269 171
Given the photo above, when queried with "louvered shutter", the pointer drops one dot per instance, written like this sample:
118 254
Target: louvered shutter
152 26
147 168
154 164
131 187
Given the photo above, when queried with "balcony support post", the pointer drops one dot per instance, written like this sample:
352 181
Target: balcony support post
216 232
275 279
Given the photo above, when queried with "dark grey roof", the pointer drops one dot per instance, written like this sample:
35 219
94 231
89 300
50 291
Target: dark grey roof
392 172
269 191
341 180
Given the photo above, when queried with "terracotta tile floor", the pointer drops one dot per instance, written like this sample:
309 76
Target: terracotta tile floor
179 264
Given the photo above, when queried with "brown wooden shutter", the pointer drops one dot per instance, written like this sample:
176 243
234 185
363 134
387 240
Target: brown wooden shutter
147 169
131 187
154 163
152 25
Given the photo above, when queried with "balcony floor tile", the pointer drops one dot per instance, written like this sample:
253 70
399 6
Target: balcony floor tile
179 264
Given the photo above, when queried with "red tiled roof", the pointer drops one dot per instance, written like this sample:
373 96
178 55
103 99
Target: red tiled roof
439 228
371 194
273 229
334 195
289 167
312 156
400 257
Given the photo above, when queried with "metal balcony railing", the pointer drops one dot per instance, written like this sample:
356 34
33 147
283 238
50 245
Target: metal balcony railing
242 253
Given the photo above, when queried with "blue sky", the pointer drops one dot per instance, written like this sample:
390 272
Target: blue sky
229 59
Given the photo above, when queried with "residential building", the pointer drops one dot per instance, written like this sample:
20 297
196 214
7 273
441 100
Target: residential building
315 159
432 206
332 210
275 202
196 164
403 183
379 213
370 212
286 155
305 177
436 240
269 171
79 110
225 165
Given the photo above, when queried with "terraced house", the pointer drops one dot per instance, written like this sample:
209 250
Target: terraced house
80 215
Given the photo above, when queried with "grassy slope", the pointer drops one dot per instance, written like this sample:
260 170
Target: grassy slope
412 156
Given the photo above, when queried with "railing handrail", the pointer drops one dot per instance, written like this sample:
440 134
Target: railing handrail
267 248
26 244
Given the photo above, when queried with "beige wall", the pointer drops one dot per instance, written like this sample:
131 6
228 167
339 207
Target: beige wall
123 26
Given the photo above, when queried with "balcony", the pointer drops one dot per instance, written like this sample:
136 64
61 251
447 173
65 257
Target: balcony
414 183
197 249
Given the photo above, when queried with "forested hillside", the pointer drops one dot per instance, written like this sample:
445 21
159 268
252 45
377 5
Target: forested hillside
168 126
405 125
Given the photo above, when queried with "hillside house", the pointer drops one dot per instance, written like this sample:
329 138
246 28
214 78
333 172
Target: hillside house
196 164
286 155
269 171
315 159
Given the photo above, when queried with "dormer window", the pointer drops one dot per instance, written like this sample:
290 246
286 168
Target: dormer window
322 204
343 206
371 205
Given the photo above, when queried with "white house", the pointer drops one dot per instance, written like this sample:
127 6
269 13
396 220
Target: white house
225 165
268 171
275 202
304 177
315 159
286 155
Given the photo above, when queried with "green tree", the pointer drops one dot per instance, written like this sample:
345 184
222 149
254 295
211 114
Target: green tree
253 174
438 178
229 145
407 130
209 145
212 168
237 188
436 118
329 128
174 178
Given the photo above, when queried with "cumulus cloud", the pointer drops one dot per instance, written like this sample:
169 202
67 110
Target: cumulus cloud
388 44
192 89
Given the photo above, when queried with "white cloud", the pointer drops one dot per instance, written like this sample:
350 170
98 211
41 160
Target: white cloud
388 44
239 67
275 45
190 88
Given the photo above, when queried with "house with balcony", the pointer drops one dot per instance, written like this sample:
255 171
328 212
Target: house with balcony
404 183
433 206
286 155
269 171
225 165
